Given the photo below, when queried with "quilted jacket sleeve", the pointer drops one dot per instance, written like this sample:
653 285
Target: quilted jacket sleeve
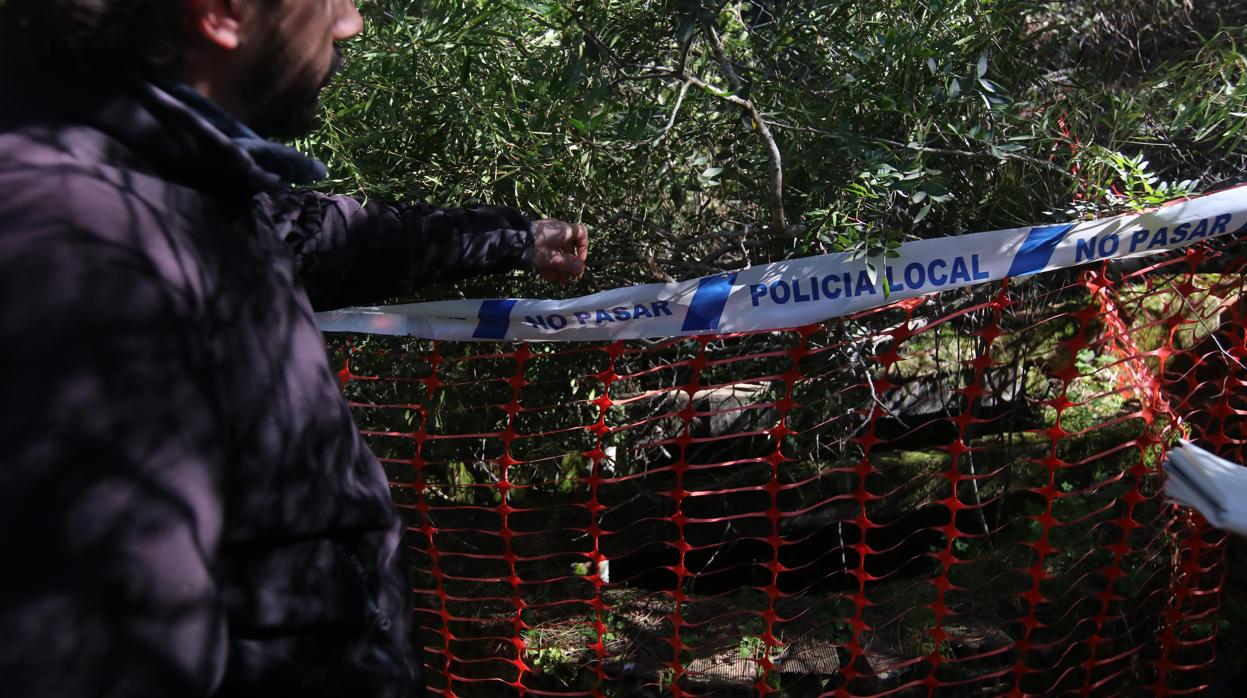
351 252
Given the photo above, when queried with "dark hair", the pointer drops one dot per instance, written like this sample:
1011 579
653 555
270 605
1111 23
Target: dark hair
114 38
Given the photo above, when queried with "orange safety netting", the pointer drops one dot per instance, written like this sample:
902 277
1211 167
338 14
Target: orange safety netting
957 494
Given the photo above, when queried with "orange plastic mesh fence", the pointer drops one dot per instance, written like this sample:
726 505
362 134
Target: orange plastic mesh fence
958 494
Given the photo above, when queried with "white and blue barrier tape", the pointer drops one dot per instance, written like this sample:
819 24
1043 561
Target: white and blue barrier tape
806 291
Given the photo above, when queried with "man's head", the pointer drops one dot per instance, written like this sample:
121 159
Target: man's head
265 61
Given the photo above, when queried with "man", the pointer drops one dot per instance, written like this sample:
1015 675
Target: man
186 507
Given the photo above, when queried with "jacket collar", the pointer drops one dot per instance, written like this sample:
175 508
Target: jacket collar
168 130
277 158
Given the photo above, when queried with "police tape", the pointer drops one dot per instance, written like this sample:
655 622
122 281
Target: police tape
800 292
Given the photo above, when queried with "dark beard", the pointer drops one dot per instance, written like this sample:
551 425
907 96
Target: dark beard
277 105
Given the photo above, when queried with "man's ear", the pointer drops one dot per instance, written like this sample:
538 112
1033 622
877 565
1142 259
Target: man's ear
217 21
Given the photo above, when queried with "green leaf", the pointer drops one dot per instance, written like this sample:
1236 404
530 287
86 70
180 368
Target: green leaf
1001 151
981 68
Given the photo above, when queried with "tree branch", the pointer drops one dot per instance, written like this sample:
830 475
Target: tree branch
776 189
779 223
675 111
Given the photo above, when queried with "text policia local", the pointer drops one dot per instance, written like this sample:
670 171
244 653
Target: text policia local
933 274
921 276
937 273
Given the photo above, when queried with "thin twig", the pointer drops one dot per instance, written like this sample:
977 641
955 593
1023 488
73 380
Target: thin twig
775 158
716 45
1212 333
983 154
778 219
675 111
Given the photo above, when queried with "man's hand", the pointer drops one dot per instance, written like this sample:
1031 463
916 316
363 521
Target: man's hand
559 250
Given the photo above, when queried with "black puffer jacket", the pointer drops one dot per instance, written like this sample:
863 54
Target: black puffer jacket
186 507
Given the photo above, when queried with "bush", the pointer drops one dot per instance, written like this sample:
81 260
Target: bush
889 119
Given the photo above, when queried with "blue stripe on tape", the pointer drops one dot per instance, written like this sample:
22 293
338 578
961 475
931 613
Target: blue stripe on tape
495 319
1037 250
708 303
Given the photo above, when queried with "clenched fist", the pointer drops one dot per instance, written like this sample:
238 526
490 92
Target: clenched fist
559 250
